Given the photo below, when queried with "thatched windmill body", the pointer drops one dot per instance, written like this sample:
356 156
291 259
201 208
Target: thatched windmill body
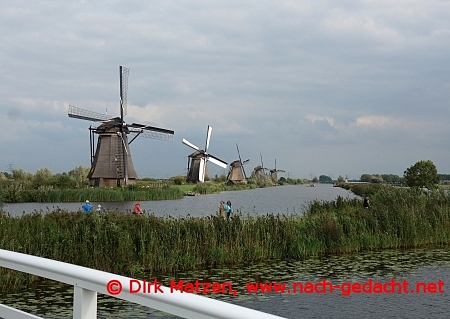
236 173
193 169
274 173
259 170
197 171
111 162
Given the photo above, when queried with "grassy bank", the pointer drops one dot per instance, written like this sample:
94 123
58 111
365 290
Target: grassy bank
134 245
18 193
214 188
363 189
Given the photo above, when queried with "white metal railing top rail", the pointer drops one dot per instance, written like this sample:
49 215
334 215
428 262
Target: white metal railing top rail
88 282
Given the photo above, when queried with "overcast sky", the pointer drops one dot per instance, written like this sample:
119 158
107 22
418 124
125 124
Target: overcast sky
324 87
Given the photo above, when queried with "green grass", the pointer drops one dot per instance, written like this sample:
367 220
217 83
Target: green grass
186 187
213 188
17 193
131 245
363 190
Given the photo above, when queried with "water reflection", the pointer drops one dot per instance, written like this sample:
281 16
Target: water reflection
53 300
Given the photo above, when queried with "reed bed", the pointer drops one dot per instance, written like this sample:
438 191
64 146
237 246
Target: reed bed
133 245
16 193
363 189
213 188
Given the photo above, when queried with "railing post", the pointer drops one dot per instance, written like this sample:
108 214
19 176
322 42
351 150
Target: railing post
88 282
84 303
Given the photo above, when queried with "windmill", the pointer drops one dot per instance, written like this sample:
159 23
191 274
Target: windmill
111 164
237 172
197 170
273 173
259 170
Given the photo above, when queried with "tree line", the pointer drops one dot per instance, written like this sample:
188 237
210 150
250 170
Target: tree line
44 177
422 174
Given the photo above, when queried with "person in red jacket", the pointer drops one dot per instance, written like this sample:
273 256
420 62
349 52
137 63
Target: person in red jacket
137 210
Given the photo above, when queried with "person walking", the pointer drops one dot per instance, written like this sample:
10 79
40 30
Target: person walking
228 209
222 209
366 203
99 208
86 207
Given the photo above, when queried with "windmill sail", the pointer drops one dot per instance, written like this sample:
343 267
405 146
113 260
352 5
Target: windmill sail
83 114
112 163
274 173
198 168
237 173
123 90
259 170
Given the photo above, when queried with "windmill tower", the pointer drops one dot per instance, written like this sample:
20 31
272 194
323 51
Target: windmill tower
111 163
259 170
273 173
198 171
237 173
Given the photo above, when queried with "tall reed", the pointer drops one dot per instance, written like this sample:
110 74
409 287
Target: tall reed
16 193
131 245
212 188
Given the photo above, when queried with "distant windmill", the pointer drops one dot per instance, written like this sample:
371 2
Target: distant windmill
198 171
111 165
260 169
237 172
273 173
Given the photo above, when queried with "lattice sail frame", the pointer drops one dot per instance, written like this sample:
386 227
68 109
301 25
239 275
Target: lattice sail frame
124 89
83 114
116 128
154 135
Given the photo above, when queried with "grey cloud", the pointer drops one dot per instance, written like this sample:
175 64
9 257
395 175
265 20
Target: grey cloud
253 71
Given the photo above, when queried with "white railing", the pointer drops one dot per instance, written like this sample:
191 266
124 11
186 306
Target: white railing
88 282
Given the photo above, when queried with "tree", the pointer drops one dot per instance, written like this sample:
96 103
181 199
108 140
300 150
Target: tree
79 174
325 179
21 176
341 179
64 181
391 178
423 174
282 181
43 177
178 180
7 175
371 178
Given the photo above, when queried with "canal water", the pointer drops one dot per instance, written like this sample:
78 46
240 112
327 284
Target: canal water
291 199
429 266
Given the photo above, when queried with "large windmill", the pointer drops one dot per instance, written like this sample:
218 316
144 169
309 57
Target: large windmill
111 164
259 170
197 171
274 173
237 172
